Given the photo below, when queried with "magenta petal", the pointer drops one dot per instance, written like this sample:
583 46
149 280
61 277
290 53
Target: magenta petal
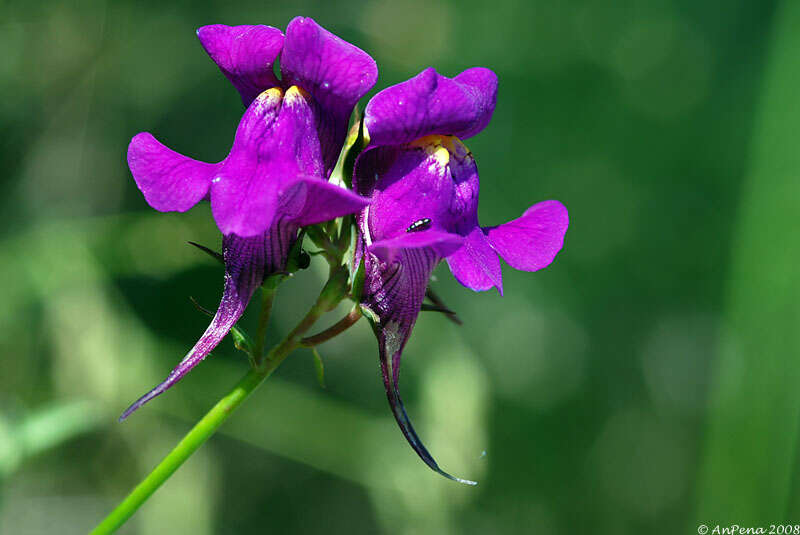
276 142
246 262
410 184
475 265
442 243
168 180
531 241
244 54
336 74
312 200
246 204
431 103
482 83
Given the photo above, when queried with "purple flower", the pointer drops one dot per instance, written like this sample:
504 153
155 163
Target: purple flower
274 180
423 186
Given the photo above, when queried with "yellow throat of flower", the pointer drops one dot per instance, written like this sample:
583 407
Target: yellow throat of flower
270 95
441 147
273 94
296 92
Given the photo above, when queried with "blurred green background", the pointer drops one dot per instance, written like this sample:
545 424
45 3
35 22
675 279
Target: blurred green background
645 382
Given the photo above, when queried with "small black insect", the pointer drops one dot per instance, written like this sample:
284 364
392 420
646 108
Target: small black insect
419 225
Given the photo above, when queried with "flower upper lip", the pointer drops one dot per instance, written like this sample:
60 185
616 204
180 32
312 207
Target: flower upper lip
336 73
432 104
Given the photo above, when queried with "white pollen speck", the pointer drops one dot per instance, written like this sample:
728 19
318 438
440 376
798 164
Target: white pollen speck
216 179
326 85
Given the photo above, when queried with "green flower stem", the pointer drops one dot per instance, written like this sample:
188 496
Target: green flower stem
185 448
267 295
206 427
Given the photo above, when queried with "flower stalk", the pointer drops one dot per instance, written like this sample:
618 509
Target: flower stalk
267 296
330 296
334 330
195 438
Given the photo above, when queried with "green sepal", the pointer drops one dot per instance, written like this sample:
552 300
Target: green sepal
241 340
318 236
319 367
354 150
272 281
298 258
371 316
357 286
345 233
330 227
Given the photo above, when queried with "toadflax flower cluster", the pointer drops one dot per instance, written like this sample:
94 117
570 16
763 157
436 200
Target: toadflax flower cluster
415 185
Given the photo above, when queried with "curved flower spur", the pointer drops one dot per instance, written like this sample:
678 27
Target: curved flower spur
274 180
423 186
